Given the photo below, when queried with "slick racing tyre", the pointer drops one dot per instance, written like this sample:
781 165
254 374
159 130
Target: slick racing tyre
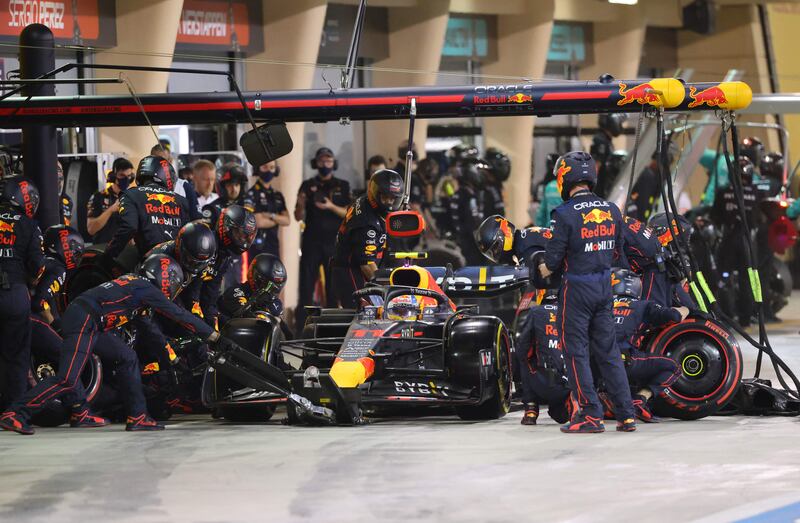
711 368
479 356
54 413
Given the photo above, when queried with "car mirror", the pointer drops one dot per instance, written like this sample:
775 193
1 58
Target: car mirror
403 224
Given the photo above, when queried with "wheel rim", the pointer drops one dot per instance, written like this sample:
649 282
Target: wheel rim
704 366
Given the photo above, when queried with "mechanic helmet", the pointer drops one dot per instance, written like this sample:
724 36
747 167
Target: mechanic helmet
468 172
612 122
404 307
236 228
625 283
232 172
495 238
321 153
573 168
385 191
772 166
747 168
64 244
752 148
672 257
21 193
163 272
500 163
266 273
155 170
195 247
550 168
460 152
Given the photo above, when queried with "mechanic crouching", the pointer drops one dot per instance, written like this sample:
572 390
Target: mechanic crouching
99 310
266 277
541 363
651 373
586 230
361 240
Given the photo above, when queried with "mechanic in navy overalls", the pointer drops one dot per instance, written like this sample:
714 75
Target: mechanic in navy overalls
21 263
361 239
632 317
99 310
586 230
539 357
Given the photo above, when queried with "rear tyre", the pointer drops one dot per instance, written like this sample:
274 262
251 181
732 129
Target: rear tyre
711 368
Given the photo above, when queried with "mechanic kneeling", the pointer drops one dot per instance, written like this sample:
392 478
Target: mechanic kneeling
101 309
362 236
586 230
632 316
266 277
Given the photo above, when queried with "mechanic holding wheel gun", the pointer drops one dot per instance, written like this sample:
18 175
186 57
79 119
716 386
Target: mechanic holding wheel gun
362 236
586 230
98 310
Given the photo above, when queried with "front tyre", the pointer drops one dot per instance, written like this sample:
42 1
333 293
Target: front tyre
491 367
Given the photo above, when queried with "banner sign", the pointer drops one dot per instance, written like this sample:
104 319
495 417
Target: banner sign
218 25
72 21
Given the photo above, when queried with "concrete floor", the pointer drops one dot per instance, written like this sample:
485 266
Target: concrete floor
432 469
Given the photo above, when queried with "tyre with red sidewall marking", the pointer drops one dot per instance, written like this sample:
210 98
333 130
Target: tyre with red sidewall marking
711 368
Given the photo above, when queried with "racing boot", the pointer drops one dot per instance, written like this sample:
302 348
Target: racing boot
531 414
142 422
11 420
608 407
582 424
626 425
83 418
642 410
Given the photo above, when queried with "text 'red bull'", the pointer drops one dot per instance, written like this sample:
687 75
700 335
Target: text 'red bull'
712 97
641 94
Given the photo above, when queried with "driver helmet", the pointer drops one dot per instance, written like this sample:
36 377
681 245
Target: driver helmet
405 307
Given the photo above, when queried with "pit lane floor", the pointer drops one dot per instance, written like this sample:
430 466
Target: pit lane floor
413 470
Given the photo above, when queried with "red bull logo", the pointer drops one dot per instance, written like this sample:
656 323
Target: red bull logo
596 216
712 97
560 173
520 98
6 227
641 94
26 198
162 198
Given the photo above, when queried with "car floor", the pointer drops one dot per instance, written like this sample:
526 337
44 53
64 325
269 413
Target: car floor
413 469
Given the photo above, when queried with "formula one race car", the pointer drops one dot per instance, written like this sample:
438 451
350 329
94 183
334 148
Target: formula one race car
407 345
